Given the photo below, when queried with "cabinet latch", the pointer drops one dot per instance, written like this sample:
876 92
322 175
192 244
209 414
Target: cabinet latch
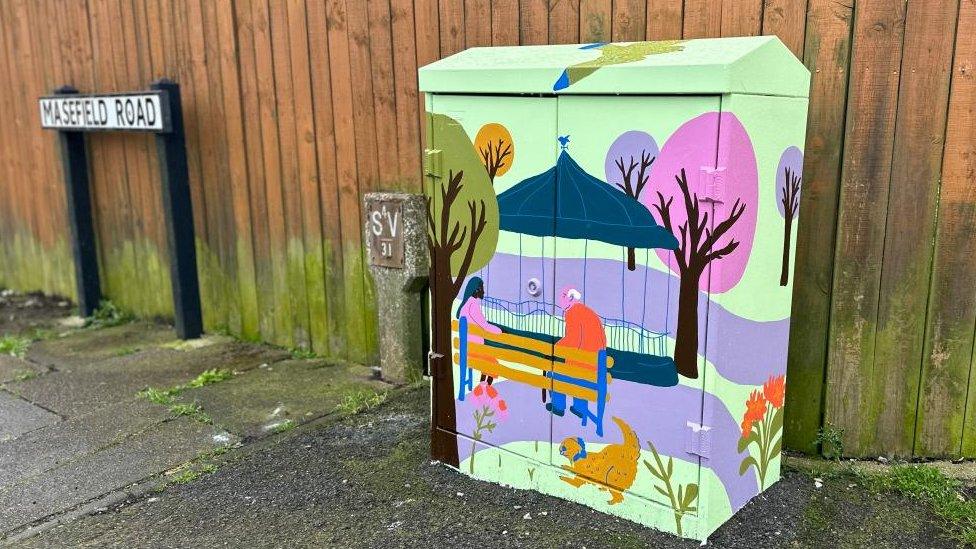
713 183
433 160
699 440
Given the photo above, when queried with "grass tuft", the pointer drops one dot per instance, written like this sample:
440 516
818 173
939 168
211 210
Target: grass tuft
301 353
14 345
284 426
162 397
944 494
208 377
24 375
361 401
191 410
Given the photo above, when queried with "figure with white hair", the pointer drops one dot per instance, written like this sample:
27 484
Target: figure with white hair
584 331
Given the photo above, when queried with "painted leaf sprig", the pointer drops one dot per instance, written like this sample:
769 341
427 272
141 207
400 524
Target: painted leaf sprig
682 501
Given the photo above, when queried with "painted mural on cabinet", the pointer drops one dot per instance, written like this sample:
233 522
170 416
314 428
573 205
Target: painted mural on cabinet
583 250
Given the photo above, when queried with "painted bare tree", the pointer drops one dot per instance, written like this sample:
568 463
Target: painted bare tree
495 146
789 181
712 215
790 200
462 231
698 239
628 167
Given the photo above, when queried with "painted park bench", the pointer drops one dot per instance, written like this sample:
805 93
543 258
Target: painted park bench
572 372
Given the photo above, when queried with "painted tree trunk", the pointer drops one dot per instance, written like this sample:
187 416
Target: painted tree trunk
686 339
784 276
631 259
443 440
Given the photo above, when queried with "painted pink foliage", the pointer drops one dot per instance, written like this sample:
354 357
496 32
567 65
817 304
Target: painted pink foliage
693 147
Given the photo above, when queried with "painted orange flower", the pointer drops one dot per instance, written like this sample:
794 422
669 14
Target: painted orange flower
774 390
755 407
746 428
492 392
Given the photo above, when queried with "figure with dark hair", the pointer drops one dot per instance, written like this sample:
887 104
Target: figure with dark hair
470 308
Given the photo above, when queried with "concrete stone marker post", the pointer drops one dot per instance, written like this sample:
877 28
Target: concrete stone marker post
396 246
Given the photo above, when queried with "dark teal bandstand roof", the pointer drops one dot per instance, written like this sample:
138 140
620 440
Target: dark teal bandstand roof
583 207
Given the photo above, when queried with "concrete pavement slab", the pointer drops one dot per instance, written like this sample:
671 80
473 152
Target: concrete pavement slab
78 387
17 416
44 449
146 454
89 345
13 368
255 404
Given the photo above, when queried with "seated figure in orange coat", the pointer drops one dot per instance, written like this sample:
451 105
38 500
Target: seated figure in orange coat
584 331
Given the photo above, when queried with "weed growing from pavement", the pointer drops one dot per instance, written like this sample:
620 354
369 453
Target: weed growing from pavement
284 426
167 397
831 441
361 401
187 476
24 375
192 410
14 345
107 315
126 351
301 353
163 397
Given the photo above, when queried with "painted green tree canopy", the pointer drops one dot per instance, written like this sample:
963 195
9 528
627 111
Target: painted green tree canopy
466 189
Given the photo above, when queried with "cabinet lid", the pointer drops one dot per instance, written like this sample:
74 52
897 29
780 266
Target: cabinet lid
759 65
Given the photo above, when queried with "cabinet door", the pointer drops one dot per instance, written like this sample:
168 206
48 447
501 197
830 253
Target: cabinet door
497 300
630 228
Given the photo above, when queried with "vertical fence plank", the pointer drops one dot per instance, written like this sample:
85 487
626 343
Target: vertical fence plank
451 17
253 151
947 358
277 233
827 55
504 24
238 173
405 77
664 18
596 20
629 20
787 20
346 152
285 95
916 165
702 19
367 157
533 22
859 397
564 22
307 194
477 23
325 146
742 17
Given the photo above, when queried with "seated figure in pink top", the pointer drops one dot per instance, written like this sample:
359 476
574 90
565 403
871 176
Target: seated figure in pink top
470 309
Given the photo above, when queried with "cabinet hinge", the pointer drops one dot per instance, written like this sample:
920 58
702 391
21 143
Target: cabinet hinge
433 162
699 440
713 182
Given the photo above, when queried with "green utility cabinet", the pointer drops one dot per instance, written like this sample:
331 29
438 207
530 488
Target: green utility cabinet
611 235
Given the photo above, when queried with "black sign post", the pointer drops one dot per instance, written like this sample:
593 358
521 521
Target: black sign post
78 195
157 111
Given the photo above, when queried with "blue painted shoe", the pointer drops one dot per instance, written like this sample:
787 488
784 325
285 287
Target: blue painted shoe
576 412
558 412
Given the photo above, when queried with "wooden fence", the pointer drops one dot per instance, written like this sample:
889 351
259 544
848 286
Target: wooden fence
295 107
